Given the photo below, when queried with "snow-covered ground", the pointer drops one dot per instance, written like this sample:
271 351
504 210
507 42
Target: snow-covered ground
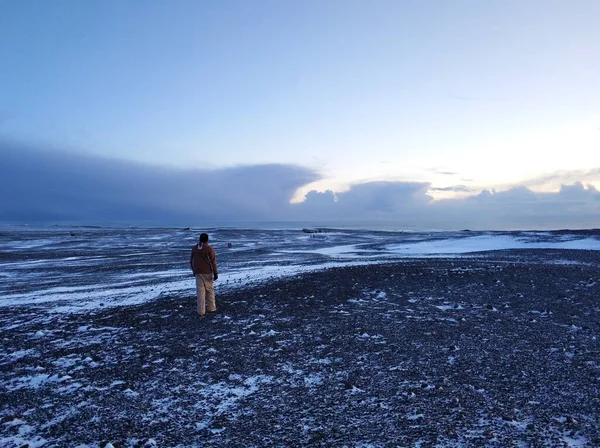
393 339
78 269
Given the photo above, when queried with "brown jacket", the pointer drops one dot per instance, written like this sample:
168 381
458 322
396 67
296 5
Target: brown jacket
203 261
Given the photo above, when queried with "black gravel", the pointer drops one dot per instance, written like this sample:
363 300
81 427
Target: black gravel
501 349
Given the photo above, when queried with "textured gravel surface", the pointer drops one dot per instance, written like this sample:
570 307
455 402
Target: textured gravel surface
498 350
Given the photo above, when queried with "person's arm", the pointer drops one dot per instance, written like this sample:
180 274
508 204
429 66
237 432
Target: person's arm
213 259
192 260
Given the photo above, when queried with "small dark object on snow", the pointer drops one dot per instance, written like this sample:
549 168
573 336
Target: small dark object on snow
308 230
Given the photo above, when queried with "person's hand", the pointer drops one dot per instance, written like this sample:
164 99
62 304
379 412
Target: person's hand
215 276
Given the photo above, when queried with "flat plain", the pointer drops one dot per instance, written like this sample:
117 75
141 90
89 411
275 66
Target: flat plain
498 349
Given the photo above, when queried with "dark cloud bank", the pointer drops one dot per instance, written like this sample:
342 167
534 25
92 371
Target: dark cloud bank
46 187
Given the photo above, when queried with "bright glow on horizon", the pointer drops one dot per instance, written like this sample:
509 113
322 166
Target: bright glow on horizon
519 158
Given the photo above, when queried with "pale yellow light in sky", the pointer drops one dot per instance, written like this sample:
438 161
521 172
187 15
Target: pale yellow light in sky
500 162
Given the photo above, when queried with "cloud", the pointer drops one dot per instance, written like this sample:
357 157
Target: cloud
44 186
455 188
574 206
558 178
441 172
407 205
462 97
363 202
58 187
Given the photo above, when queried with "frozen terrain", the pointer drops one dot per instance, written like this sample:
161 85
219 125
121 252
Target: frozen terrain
341 338
86 268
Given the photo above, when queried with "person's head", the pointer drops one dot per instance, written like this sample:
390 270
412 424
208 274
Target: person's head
204 237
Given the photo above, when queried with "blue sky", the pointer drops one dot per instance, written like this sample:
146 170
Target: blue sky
461 97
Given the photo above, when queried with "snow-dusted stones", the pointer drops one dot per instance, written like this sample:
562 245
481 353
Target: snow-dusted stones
406 355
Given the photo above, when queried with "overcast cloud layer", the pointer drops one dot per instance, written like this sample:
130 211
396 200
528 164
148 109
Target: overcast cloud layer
47 187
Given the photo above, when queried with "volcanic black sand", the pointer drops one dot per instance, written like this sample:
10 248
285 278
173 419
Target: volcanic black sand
501 349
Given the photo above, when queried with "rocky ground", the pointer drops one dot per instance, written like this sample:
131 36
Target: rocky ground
497 350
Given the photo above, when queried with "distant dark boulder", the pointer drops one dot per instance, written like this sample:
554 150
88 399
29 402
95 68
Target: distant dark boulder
187 228
308 230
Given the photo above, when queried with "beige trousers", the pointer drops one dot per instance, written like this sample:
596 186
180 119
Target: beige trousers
205 290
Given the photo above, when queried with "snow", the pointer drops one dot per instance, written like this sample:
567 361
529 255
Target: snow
447 307
284 253
21 353
487 243
23 439
574 441
414 416
221 394
313 380
35 381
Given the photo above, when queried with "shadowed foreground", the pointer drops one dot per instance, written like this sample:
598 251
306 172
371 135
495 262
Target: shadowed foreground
493 350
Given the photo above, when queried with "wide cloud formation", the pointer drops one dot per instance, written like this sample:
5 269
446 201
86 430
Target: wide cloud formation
57 187
409 206
43 186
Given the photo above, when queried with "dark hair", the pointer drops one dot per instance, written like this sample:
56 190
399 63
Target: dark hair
204 237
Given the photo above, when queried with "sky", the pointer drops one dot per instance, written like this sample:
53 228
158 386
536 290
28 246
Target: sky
428 114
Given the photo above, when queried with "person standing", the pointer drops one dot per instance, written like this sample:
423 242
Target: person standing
203 262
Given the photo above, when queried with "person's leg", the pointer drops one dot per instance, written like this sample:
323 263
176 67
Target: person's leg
209 285
200 293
